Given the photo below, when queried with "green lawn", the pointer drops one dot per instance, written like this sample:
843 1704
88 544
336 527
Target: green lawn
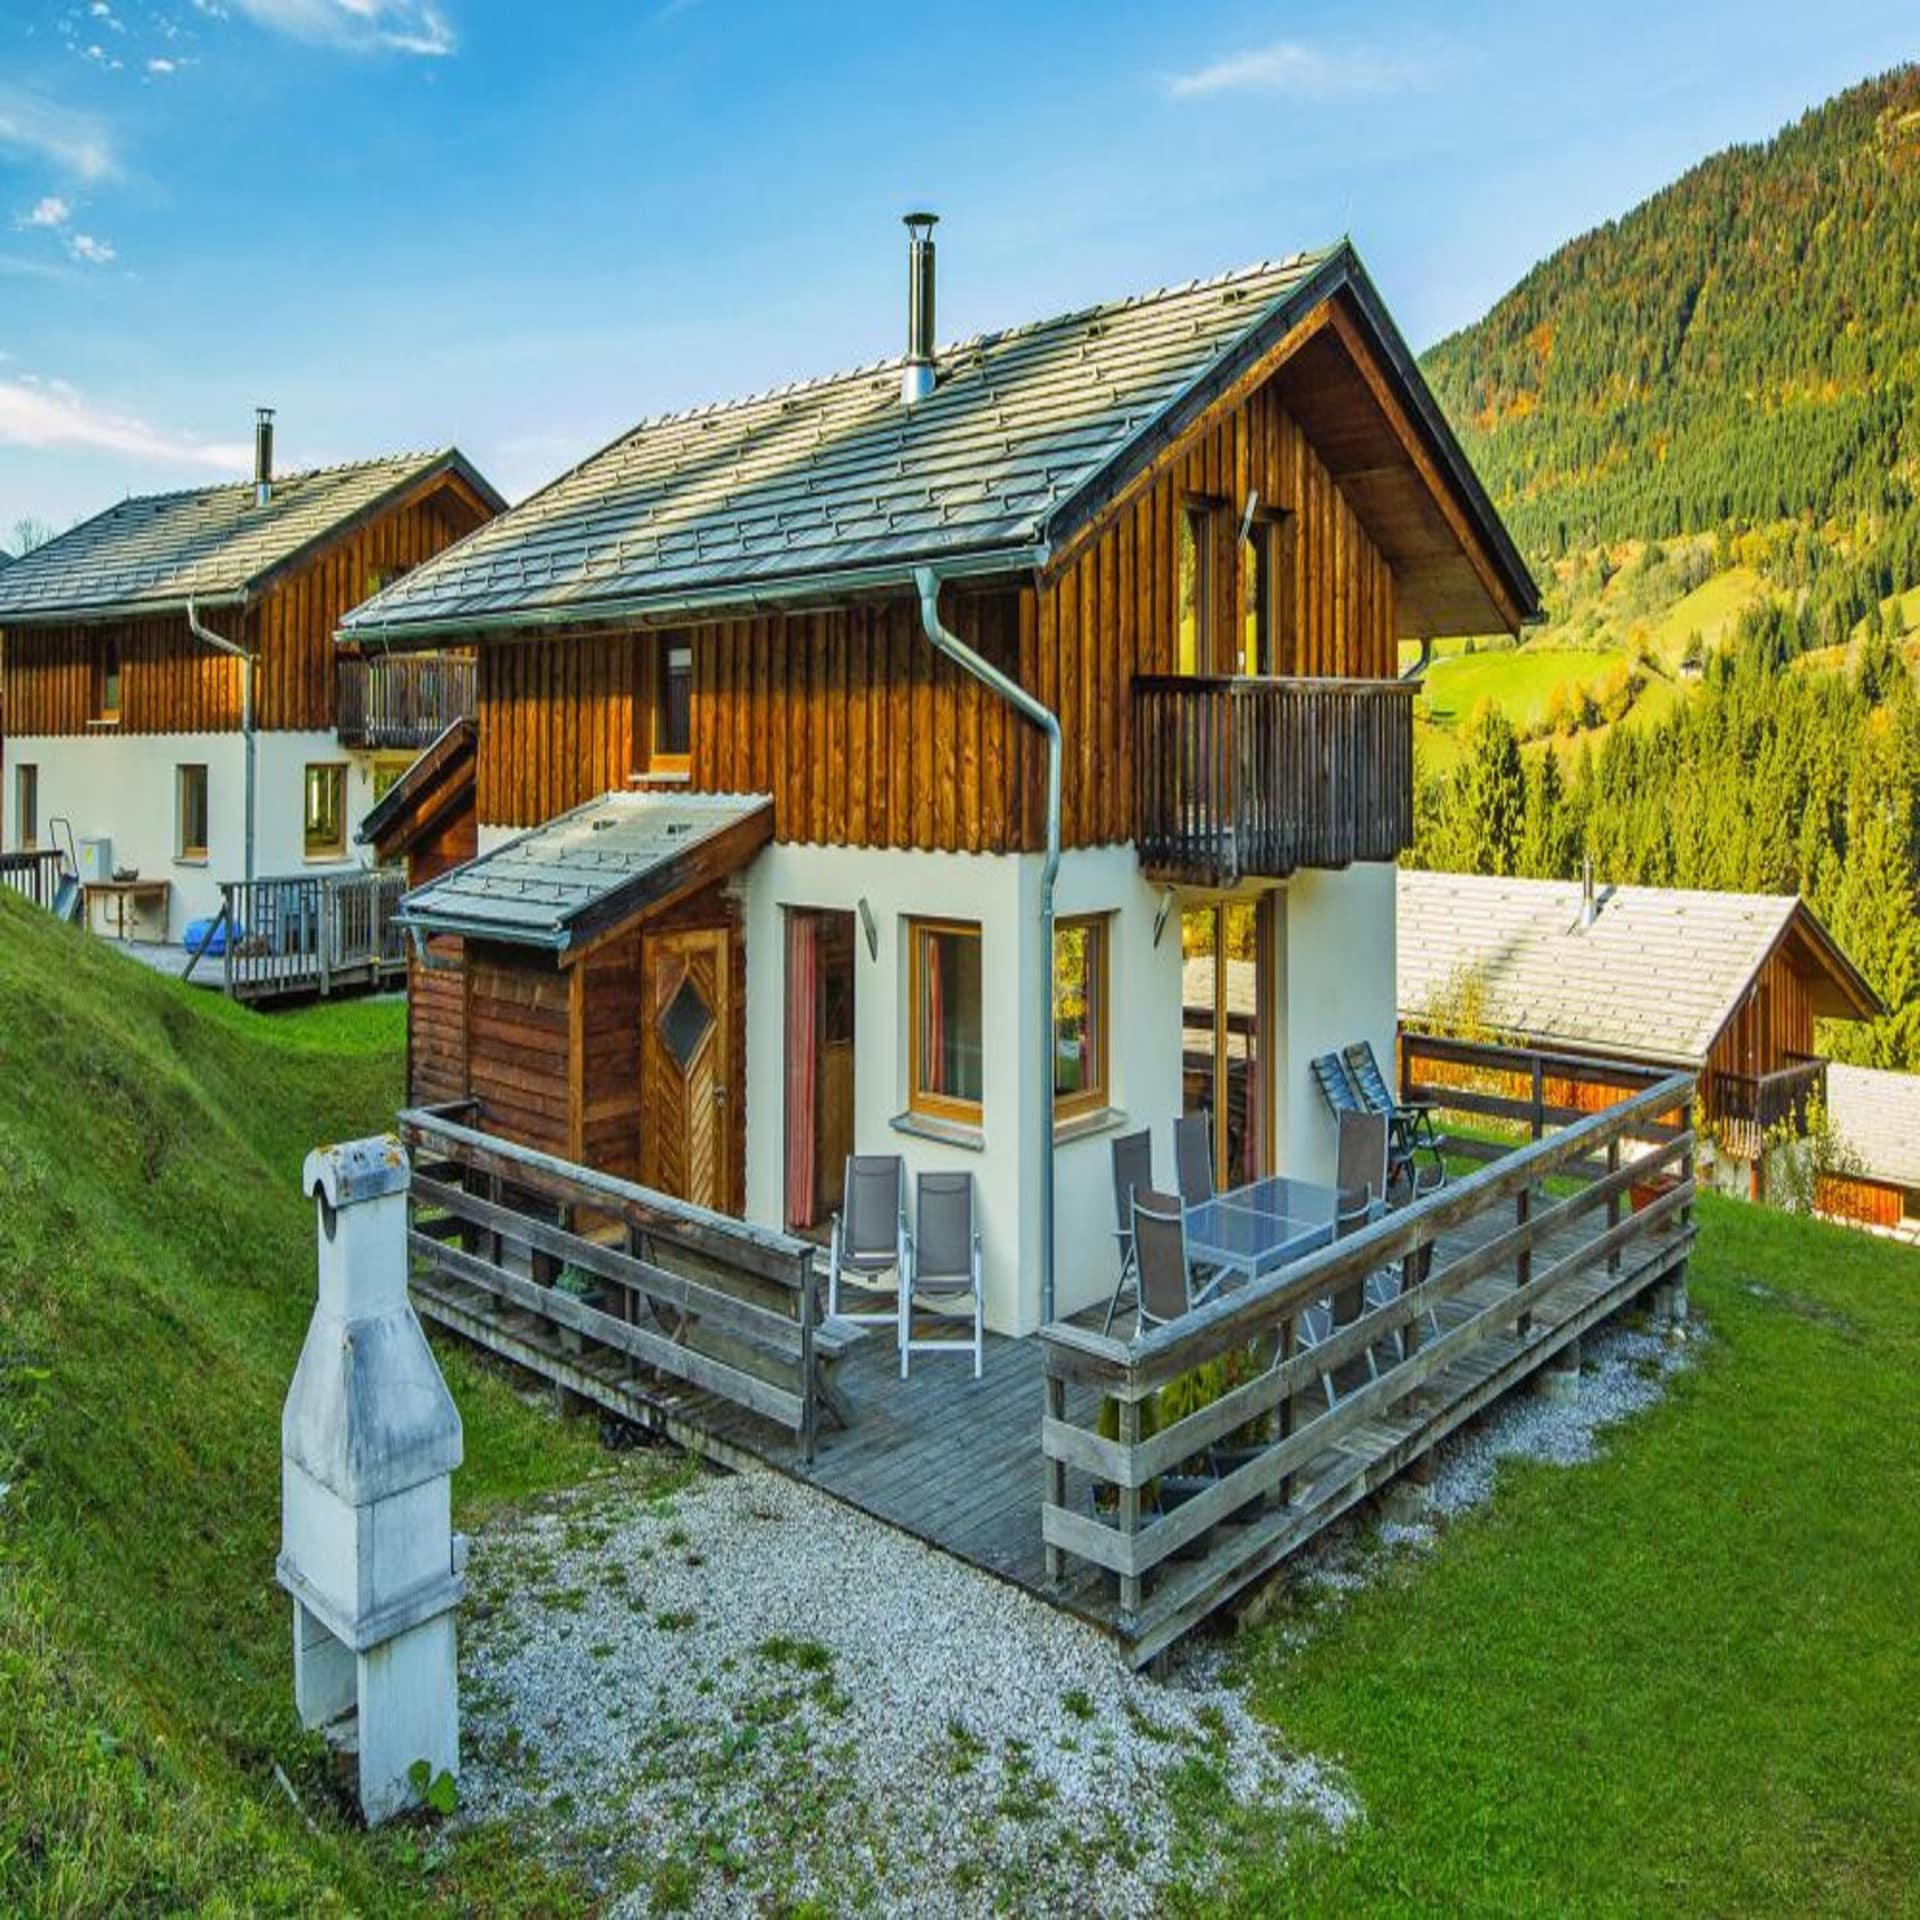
156 1275
1683 1678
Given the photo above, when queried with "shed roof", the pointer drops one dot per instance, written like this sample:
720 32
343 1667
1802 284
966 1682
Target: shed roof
443 773
150 553
832 482
591 870
1656 977
1877 1114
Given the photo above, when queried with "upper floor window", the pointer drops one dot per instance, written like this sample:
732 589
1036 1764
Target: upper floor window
1266 596
1196 586
107 705
26 808
948 1039
672 701
1080 1077
324 829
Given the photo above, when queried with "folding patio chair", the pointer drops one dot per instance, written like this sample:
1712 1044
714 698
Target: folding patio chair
1336 1085
943 1262
1361 1177
1166 1281
869 1242
1410 1122
1193 1156
1132 1173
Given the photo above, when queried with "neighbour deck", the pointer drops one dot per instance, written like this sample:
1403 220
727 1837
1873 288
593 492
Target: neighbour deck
1505 1272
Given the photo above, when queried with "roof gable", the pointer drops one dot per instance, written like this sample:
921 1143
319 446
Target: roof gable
1656 976
833 483
151 553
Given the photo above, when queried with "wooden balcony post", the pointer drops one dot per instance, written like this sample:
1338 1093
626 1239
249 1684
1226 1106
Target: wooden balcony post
1056 1472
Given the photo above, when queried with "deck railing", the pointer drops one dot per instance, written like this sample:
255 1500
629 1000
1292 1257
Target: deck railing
1184 1496
404 699
1768 1100
311 933
34 874
1256 778
685 1298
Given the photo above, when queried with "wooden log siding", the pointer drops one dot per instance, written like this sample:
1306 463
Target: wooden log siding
1263 1498
865 738
172 683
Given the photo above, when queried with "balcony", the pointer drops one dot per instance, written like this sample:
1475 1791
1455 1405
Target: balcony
403 699
1768 1100
1241 779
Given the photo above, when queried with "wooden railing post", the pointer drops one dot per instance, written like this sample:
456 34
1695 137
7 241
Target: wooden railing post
1613 1203
1539 1098
1523 1260
1129 1428
1056 1469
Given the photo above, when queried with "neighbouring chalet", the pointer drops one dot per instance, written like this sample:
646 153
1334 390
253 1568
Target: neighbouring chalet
1724 985
762 780
173 693
1876 1118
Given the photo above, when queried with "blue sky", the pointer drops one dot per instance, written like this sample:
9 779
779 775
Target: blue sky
524 227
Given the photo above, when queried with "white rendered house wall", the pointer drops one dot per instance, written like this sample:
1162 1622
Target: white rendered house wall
126 787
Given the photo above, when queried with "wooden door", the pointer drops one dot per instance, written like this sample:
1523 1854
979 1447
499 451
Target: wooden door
686 1125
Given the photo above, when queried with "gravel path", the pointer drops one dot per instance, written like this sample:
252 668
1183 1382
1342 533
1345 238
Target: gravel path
732 1694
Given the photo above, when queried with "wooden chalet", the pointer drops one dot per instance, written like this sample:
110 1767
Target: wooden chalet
175 705
973 758
1876 1119
1727 986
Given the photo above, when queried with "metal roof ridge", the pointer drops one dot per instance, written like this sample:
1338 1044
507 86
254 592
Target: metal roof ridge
411 458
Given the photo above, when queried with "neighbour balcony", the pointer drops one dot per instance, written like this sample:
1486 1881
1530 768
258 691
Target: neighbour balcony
1766 1100
404 699
1238 779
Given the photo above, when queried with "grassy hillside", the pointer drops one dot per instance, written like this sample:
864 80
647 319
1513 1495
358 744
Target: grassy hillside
156 1274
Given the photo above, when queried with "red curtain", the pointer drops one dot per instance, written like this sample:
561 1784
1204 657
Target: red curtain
803 1065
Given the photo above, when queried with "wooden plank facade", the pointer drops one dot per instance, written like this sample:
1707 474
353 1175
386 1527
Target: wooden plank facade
172 683
865 738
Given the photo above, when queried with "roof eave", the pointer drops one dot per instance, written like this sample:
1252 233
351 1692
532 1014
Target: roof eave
102 613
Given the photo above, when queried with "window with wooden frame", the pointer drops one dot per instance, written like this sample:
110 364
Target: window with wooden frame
1080 1057
1266 595
947 1043
669 702
106 704
324 828
1199 534
190 812
26 808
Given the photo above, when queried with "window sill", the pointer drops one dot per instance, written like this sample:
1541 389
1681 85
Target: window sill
950 1133
324 859
98 725
1084 1126
661 777
189 859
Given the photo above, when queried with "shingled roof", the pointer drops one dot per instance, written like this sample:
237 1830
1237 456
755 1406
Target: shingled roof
149 554
1656 977
834 482
1877 1114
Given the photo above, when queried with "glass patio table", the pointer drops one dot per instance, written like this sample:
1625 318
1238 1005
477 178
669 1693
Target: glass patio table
1254 1230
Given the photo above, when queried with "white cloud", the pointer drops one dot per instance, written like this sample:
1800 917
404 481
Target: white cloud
1302 72
48 414
50 211
75 141
159 64
96 253
399 26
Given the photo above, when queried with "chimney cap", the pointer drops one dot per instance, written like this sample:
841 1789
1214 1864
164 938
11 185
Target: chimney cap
920 223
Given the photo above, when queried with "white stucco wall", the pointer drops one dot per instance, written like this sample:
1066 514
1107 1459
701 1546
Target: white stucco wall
1334 979
123 786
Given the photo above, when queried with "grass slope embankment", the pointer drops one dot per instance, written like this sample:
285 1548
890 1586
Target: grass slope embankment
156 1276
1681 1679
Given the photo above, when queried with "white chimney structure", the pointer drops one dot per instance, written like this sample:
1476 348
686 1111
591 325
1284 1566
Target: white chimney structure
369 1439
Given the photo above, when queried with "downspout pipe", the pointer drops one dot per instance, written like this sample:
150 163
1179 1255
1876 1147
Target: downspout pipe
1029 709
221 644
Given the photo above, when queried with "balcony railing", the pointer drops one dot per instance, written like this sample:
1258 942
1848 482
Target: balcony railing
1254 779
1767 1100
404 699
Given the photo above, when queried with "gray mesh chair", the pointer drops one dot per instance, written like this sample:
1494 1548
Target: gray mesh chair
1132 1173
869 1249
1362 1182
1166 1279
943 1263
1411 1123
1193 1156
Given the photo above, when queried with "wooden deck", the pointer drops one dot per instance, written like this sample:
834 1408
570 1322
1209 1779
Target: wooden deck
959 1463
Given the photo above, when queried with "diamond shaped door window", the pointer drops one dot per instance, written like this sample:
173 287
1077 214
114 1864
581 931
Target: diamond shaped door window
685 1022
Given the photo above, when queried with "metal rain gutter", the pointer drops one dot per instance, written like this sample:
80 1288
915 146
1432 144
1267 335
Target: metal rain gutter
668 605
1030 709
220 644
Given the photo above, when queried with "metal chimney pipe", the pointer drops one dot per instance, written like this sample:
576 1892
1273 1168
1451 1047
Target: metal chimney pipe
262 455
916 380
1589 906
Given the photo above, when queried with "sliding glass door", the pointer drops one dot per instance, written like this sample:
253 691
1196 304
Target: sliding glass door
1226 1001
